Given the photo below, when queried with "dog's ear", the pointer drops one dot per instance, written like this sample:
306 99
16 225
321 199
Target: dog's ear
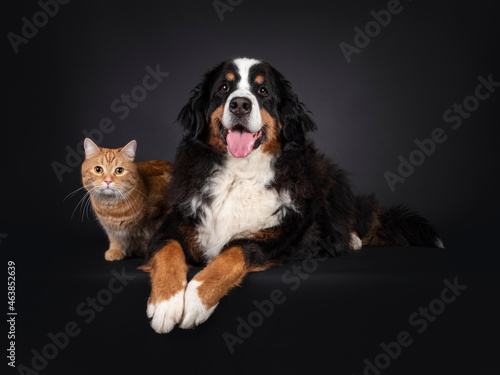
293 115
192 116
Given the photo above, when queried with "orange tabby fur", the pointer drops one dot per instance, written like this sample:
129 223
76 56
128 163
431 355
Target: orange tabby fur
130 205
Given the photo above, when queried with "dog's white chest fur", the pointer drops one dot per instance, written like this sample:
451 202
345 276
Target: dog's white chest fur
241 203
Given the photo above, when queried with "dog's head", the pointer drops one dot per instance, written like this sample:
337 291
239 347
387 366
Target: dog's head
243 105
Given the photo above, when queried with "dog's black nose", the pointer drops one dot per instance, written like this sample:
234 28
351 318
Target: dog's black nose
240 106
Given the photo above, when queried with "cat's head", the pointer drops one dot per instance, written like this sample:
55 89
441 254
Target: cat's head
109 173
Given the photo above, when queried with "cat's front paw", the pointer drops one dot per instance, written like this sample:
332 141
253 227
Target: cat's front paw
114 254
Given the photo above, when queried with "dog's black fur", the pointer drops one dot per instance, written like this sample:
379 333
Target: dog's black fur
326 207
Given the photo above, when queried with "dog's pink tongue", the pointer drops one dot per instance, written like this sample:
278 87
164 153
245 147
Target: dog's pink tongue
240 143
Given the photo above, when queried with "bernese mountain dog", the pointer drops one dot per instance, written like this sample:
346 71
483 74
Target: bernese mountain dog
249 191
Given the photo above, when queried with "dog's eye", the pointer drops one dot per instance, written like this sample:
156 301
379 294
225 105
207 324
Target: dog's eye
262 91
224 88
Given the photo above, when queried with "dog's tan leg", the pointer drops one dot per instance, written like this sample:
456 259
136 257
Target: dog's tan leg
168 271
204 291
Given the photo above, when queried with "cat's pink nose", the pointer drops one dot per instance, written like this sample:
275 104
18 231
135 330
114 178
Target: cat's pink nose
108 181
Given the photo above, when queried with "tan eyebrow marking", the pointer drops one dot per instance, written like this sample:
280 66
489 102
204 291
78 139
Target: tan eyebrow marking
259 79
230 76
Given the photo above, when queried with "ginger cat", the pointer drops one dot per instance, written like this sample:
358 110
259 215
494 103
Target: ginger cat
128 198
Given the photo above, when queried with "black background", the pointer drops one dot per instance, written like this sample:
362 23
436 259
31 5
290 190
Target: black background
368 112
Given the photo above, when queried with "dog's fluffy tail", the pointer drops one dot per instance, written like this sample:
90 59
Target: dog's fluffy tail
397 225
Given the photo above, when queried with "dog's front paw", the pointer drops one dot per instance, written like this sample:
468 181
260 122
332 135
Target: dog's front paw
165 314
195 310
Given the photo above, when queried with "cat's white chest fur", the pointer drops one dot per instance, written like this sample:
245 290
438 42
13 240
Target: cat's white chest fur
241 203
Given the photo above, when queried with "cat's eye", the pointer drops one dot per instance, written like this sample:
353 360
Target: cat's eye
119 170
98 170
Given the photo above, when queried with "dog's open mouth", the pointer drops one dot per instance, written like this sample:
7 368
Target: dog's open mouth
240 141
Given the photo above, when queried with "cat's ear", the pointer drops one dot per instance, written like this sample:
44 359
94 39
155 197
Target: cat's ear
130 149
90 147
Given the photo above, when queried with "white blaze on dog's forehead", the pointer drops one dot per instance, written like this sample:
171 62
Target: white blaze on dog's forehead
244 65
253 121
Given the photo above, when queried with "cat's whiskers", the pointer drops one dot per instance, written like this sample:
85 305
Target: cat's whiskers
88 205
128 201
74 192
84 202
82 199
145 196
